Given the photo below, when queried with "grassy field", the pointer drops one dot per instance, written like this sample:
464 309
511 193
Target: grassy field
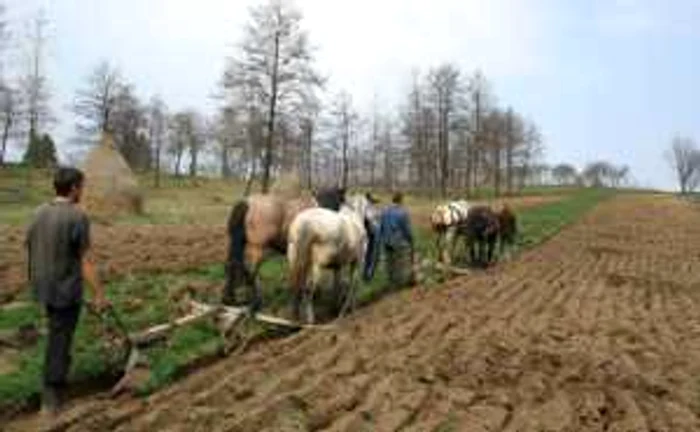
185 200
142 300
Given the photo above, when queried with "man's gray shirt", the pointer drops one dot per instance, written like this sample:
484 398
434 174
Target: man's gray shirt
57 239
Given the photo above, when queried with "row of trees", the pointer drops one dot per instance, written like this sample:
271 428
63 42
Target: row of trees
595 174
277 114
449 133
25 114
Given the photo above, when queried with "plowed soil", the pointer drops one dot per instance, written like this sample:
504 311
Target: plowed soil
597 330
121 250
124 249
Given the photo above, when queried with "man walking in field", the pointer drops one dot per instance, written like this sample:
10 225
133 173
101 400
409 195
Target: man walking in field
397 238
58 239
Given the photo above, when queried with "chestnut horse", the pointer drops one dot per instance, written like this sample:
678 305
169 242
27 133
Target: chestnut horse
258 225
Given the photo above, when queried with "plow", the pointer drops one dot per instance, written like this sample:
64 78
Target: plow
226 319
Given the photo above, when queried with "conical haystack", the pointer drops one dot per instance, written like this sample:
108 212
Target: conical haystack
111 187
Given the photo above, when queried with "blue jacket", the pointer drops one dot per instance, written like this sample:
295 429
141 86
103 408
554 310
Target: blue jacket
395 228
394 231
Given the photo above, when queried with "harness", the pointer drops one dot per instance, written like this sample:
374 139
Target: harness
456 211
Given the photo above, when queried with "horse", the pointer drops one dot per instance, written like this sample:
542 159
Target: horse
444 221
481 230
508 230
320 240
258 225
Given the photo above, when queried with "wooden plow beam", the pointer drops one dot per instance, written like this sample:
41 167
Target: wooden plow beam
226 318
454 270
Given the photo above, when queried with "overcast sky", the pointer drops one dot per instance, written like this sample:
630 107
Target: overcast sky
613 79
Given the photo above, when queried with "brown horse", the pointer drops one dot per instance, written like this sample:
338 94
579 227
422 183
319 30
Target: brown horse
259 224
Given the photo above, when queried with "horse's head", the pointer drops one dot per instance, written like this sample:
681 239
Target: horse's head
331 199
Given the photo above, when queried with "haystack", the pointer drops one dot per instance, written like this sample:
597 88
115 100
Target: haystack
111 187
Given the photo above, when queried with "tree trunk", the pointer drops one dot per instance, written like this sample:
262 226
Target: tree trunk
271 116
251 178
178 160
388 178
345 144
308 157
497 166
193 161
510 145
5 136
157 167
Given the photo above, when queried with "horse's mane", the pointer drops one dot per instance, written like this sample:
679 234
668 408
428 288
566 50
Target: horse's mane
331 198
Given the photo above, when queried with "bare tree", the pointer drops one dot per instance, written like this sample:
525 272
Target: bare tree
276 62
157 133
96 103
128 123
480 100
8 113
308 127
180 130
444 85
683 156
514 140
531 150
414 120
387 145
197 139
33 84
345 121
226 129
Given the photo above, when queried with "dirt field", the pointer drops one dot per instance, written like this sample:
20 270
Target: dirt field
599 329
124 249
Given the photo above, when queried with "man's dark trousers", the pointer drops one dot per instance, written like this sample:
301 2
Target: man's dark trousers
62 324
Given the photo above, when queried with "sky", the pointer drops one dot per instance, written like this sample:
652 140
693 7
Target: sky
603 79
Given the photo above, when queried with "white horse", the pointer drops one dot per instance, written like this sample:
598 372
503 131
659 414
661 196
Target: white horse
444 220
321 239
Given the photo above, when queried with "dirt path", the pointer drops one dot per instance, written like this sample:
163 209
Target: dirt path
597 330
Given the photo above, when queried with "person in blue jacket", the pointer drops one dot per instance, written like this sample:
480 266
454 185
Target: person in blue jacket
396 237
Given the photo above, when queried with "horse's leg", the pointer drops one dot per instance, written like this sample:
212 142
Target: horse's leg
337 290
254 255
448 246
229 297
489 256
349 302
438 247
309 297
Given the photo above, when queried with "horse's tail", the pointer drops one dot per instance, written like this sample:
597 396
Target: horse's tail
300 253
237 240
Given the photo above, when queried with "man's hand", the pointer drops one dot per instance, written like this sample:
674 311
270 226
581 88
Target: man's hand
100 303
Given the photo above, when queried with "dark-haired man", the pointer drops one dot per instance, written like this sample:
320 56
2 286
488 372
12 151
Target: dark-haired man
57 241
397 238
